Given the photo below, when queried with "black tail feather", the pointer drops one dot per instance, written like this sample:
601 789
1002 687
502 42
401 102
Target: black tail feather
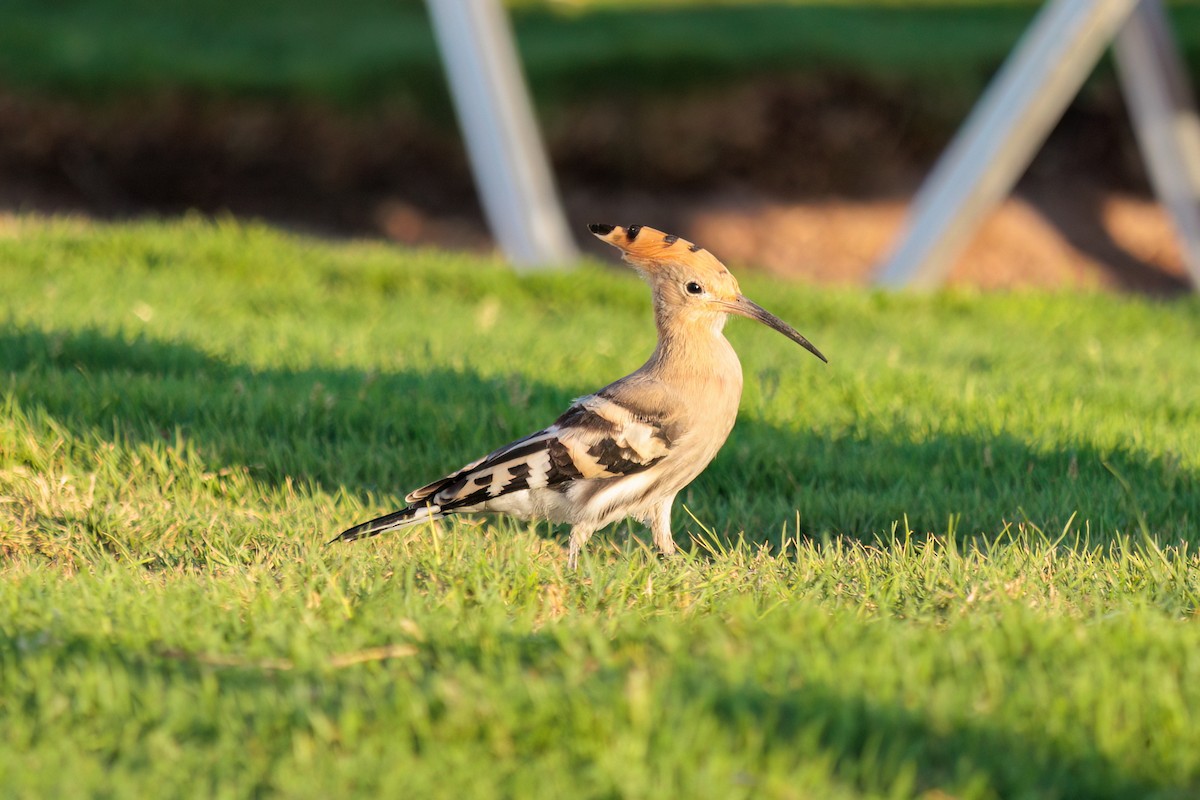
388 522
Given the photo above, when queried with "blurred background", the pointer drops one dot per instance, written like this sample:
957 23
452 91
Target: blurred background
787 136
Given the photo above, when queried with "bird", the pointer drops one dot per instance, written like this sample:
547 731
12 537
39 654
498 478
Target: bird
628 449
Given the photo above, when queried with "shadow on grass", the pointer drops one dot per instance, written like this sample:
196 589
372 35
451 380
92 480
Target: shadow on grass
378 435
870 745
875 744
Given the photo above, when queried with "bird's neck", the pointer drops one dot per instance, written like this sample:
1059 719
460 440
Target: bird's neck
691 350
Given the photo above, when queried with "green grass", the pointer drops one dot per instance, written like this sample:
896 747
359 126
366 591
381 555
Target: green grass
368 54
379 53
370 57
958 560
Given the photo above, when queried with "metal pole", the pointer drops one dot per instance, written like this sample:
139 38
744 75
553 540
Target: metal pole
507 157
995 145
1159 98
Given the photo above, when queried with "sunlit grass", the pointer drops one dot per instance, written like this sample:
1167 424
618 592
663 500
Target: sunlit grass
961 557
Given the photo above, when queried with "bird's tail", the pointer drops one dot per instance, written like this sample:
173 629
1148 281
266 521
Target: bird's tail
410 515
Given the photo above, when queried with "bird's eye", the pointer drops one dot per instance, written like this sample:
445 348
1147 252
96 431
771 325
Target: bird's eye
693 288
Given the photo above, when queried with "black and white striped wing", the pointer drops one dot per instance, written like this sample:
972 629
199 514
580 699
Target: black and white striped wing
608 439
532 462
596 438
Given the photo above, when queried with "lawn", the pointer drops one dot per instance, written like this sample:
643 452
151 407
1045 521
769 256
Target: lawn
372 50
958 561
367 54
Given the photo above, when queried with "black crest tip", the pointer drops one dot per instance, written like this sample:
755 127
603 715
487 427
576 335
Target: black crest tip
600 229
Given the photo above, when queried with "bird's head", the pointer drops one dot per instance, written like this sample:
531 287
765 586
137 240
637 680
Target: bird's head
689 283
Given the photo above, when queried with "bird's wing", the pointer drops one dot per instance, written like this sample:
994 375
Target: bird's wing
608 438
597 437
523 464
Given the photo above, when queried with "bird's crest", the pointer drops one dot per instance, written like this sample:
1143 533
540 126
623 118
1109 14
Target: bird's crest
647 248
691 286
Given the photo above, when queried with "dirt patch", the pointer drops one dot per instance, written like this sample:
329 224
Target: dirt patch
1031 240
804 177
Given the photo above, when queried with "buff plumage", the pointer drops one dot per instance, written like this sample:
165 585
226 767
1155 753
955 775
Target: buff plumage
628 449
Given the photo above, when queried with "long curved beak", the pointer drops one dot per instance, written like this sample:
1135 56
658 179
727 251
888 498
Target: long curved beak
748 308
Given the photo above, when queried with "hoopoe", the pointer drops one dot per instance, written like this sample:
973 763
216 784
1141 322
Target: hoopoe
628 449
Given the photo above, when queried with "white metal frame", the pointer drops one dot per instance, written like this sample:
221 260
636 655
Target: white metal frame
1023 103
512 173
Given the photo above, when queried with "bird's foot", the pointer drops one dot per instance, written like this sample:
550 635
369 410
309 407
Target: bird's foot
665 544
578 540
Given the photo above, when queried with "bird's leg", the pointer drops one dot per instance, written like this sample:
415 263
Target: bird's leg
579 537
660 526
